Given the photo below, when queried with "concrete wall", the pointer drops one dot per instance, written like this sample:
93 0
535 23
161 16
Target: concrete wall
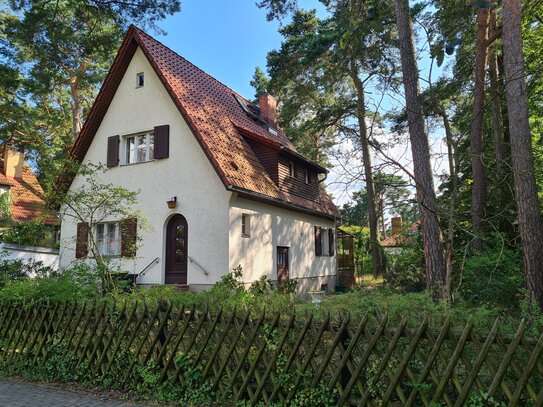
187 174
271 227
11 252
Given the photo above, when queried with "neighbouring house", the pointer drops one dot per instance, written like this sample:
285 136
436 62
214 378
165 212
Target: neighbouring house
220 183
397 240
22 201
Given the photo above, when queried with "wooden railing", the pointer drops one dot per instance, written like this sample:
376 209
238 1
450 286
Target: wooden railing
239 356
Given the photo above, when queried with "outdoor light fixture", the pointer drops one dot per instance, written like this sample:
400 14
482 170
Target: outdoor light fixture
172 203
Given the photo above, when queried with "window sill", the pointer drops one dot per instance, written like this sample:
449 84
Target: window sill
141 162
245 235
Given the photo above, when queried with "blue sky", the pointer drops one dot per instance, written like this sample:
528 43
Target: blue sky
225 38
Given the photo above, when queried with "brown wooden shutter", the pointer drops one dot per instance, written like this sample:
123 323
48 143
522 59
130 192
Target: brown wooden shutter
82 239
129 234
162 141
318 243
113 151
331 244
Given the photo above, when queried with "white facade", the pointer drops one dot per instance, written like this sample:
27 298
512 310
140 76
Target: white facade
212 212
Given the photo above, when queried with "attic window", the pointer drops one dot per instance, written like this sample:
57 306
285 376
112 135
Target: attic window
140 80
292 170
306 176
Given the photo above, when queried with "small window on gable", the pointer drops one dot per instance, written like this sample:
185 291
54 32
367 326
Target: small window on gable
245 225
306 176
292 170
140 80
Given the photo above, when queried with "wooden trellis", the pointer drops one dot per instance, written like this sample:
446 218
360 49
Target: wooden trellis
270 358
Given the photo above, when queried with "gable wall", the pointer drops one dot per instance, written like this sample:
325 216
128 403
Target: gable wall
187 174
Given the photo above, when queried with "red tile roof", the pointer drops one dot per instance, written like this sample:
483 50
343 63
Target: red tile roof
26 195
215 118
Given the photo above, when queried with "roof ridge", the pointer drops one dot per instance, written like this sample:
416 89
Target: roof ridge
139 31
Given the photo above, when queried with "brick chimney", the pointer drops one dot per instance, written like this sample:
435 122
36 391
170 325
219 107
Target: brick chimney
268 108
396 224
13 162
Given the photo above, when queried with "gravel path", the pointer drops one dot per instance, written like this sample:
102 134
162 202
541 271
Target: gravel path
19 394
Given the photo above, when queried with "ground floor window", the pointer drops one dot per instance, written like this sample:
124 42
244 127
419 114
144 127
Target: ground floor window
108 238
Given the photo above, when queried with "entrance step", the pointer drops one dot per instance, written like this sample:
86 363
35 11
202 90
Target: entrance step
182 287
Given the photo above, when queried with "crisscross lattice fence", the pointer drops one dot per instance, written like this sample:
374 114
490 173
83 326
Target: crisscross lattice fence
273 358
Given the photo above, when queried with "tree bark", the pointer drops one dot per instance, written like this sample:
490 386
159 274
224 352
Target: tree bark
497 118
453 171
76 106
376 251
434 255
479 191
529 211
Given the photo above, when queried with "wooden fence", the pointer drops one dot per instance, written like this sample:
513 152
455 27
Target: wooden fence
272 359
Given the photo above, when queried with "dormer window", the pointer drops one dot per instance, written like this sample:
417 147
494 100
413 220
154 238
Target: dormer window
292 170
140 80
307 180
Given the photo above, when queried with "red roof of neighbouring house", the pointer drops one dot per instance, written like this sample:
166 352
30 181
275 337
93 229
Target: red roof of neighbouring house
216 119
26 196
398 240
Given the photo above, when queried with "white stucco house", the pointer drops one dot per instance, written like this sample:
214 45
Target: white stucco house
241 194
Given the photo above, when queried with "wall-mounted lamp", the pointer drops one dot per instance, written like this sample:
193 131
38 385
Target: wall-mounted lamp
172 203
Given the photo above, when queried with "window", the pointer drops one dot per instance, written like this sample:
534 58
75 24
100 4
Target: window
140 148
140 80
108 238
306 176
245 225
292 170
324 241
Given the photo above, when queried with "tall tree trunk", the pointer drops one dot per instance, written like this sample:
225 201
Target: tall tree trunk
529 211
434 254
376 251
453 171
479 192
497 119
76 106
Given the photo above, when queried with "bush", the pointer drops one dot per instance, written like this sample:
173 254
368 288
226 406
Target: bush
76 283
31 234
494 276
406 269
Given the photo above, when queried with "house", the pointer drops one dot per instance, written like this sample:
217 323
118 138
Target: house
23 201
21 190
397 240
220 183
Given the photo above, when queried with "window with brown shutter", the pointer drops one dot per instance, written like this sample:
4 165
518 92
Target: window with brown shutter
162 141
318 242
82 240
113 151
331 244
129 234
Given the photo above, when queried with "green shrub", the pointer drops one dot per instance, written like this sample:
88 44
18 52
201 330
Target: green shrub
494 277
76 283
406 269
34 233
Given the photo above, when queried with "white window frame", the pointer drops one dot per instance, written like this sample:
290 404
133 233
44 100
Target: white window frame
291 170
245 225
140 83
131 156
306 176
325 245
107 236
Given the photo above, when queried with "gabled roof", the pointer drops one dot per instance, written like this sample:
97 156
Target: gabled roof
215 117
26 196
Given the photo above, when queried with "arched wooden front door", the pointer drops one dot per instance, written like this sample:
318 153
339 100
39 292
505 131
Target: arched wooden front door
176 250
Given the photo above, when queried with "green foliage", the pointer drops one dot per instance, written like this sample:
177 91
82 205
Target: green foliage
34 233
76 283
494 276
